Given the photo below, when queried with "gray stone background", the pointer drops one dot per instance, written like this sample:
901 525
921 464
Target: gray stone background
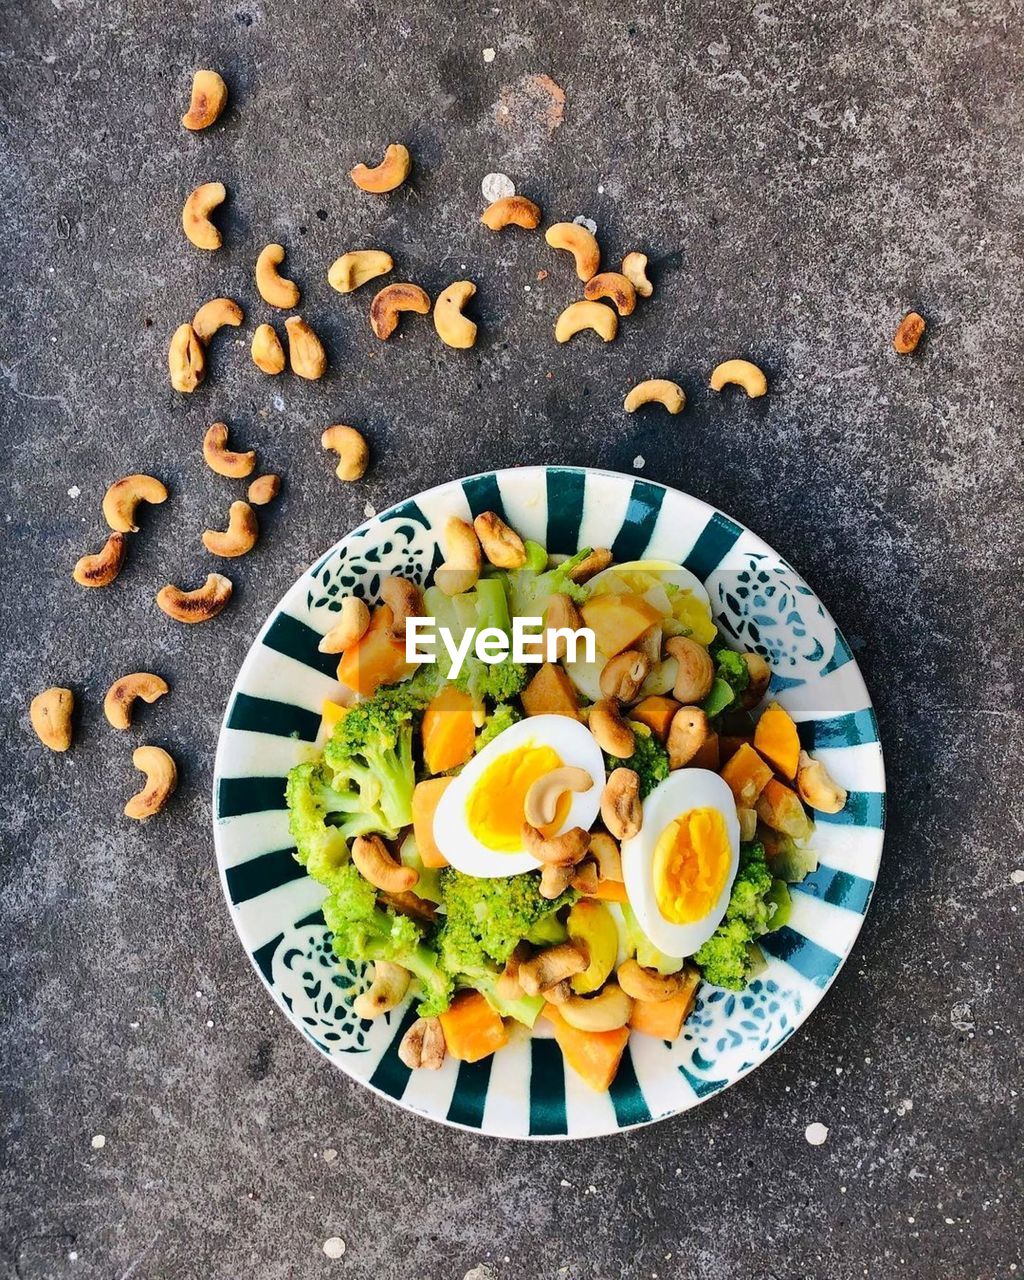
801 175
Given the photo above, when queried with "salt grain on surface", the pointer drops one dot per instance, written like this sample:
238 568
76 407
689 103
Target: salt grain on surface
74 491
369 510
489 55
98 1142
816 1133
330 1155
334 1246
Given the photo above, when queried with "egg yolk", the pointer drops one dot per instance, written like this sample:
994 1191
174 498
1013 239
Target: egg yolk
496 808
691 863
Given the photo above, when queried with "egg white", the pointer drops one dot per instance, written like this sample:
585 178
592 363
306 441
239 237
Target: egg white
681 791
667 570
573 743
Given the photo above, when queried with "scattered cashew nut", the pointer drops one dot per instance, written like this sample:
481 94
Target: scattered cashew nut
742 374
389 174
264 489
616 288
101 569
634 268
161 779
352 270
239 538
562 850
117 705
351 448
553 965
50 713
817 787
275 289
611 732
502 546
686 735
578 241
909 334
695 669
649 985
656 390
621 809
214 315
453 328
374 863
195 216
585 877
541 804
609 1010
200 605
353 621
462 563
515 211
622 676
386 992
124 495
305 350
225 461
186 361
578 316
267 352
423 1045
209 98
391 301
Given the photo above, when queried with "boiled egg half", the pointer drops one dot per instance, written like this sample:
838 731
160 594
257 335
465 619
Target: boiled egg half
478 824
680 866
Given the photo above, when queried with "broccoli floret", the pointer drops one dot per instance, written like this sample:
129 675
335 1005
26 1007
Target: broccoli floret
725 959
365 932
529 591
525 1009
486 918
323 818
501 718
730 666
498 681
649 760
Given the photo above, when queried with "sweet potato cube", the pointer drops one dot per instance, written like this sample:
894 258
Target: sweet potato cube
618 620
747 775
425 799
776 738
780 808
550 693
656 713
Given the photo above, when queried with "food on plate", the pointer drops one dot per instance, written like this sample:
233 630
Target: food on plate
584 827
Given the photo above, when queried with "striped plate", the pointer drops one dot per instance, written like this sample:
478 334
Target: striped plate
526 1091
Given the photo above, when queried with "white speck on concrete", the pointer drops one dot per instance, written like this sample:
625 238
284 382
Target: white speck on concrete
564 1182
961 1016
73 1256
496 186
279 403
369 510
905 1106
209 1022
639 462
589 223
1017 877
98 1142
334 1246
330 1155
134 1026
816 1133
489 55
480 1272
74 491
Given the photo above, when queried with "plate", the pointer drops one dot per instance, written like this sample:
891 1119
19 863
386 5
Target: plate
526 1091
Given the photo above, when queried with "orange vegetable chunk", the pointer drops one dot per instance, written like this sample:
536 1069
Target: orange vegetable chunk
472 1029
449 733
776 738
656 713
550 692
425 799
378 658
665 1018
618 620
610 891
747 775
593 1055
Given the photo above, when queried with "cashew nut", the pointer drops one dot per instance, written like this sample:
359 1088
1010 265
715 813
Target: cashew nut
196 606
305 350
561 850
386 992
507 985
623 675
541 804
578 316
743 374
609 1010
590 566
186 361
353 621
606 851
514 211
117 705
214 315
649 985
209 98
389 174
195 216
461 567
553 965
374 862
124 495
656 390
760 677
555 879
393 299
502 546
423 1046
275 289
695 670
578 241
610 730
909 334
50 713
267 352
615 287
649 643
101 569
223 460
351 448
405 600
453 328
686 735
585 877
817 787
560 619
411 905
621 809
354 269
161 779
559 993
264 489
239 538
634 268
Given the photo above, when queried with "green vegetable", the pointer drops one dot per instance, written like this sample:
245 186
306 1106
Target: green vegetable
498 681
790 861
529 590
726 959
486 918
322 820
649 759
501 718
647 954
720 697
536 557
731 678
525 1009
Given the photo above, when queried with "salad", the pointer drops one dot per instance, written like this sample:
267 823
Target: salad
574 837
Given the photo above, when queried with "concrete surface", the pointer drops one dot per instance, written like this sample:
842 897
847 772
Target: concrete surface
801 175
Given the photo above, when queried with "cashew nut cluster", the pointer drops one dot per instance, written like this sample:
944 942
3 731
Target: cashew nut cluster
161 779
50 713
392 300
453 328
374 863
225 461
649 984
463 560
352 270
695 669
263 489
214 315
541 804
551 966
502 546
101 569
623 675
404 599
656 391
200 605
578 316
351 448
634 268
120 698
305 350
386 176
609 1010
239 538
186 361
209 98
352 624
565 849
615 287
275 289
267 352
578 241
560 617
611 732
511 211
741 373
123 497
195 216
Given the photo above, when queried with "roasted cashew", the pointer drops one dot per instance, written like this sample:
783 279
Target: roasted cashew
196 606
117 705
621 809
101 569
612 733
656 390
453 328
559 993
50 713
578 316
743 374
578 241
389 174
909 334
686 735
239 538
374 862
650 985
615 287
161 779
515 211
609 860
305 350
264 489
760 677
275 289
423 1046
585 877
502 546
817 787
386 992
411 905
695 669
223 460
649 643
186 361
553 965
214 315
607 1011
405 600
209 98
195 216
541 804
351 448
124 495
599 559
561 850
391 301
622 676
462 563
560 618
352 624
554 880
507 985
267 352
634 268
354 269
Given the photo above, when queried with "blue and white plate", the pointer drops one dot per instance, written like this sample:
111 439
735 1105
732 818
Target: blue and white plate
526 1091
